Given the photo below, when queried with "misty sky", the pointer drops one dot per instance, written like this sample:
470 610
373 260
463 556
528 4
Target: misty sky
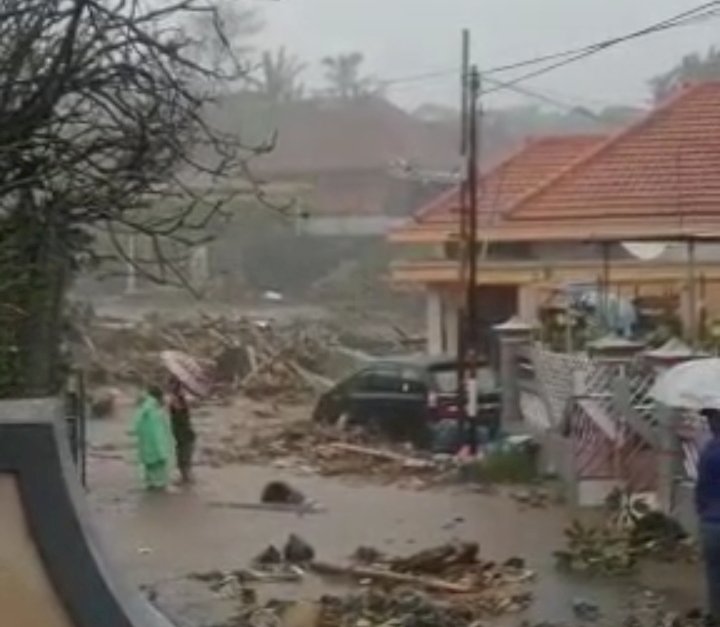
405 37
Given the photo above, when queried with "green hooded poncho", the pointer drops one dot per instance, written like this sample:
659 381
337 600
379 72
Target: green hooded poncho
154 440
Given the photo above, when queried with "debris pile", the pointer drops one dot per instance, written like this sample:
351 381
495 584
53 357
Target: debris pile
314 448
610 550
453 568
408 607
258 358
448 585
596 550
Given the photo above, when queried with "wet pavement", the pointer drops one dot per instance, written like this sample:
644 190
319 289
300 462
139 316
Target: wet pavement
163 538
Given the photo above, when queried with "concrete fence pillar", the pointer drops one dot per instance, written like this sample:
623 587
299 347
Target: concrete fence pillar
669 456
434 321
513 336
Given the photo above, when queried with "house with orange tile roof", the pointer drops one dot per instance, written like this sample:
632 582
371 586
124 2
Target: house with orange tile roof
564 210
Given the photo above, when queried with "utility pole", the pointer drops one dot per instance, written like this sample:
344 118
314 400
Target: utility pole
464 71
462 242
472 338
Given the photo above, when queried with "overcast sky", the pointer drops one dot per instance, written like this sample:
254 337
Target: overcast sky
406 37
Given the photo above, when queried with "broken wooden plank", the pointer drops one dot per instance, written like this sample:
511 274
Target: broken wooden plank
378 574
390 456
307 508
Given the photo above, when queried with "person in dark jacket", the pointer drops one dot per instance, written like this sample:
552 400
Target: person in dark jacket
707 503
182 430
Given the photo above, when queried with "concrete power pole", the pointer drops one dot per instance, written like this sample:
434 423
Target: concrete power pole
461 252
471 329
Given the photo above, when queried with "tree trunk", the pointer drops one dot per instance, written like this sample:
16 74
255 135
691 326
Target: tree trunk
39 300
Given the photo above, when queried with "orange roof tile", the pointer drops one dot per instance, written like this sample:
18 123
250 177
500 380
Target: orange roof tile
668 163
506 183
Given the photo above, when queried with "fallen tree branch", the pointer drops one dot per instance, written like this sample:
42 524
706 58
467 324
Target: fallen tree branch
390 456
377 574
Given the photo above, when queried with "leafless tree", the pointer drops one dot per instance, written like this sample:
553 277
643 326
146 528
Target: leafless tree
103 131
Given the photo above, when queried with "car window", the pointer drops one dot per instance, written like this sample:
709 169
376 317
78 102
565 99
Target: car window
376 380
390 379
445 380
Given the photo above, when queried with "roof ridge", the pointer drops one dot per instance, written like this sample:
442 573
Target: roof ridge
652 116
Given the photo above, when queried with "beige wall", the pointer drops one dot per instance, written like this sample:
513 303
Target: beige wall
27 598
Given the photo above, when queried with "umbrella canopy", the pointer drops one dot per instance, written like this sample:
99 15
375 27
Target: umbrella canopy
691 385
186 370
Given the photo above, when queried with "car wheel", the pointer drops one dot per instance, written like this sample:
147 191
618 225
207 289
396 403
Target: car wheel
374 426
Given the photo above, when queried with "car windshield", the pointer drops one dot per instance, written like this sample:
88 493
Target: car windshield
445 379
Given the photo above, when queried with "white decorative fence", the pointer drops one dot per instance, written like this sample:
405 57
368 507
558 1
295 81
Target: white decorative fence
602 411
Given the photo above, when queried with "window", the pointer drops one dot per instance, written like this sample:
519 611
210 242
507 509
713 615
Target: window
445 380
384 380
390 379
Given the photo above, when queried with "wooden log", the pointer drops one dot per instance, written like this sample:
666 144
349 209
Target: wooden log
390 456
377 574
305 508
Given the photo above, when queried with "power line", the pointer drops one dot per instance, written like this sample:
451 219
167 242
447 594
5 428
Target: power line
698 14
682 20
537 95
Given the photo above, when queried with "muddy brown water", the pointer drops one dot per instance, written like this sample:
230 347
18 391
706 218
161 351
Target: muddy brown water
160 539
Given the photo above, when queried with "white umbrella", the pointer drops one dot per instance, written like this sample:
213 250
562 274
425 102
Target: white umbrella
187 370
691 385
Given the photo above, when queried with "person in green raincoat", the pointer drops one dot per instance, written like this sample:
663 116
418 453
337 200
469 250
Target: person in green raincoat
155 445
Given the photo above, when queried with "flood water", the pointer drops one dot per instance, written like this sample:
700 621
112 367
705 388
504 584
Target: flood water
167 537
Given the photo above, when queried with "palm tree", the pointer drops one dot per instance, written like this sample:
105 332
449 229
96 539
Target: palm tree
342 72
279 76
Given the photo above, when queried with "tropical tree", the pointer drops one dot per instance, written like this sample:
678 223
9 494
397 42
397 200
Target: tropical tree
692 68
344 77
279 78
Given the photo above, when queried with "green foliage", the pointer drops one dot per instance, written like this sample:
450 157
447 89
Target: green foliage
596 550
512 466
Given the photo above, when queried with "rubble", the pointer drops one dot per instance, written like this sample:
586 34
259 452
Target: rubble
534 498
614 551
298 551
314 448
585 610
454 569
376 607
407 607
259 359
596 550
279 492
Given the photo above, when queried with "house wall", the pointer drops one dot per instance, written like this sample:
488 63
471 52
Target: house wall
363 193
496 304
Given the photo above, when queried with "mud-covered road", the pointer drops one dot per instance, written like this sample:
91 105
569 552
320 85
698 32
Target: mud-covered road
159 540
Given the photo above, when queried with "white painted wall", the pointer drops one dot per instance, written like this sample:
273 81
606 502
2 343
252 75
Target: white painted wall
434 321
357 226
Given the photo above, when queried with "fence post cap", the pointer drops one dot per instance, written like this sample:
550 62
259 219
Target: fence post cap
514 326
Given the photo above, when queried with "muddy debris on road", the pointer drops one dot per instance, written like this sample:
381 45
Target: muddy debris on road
610 549
312 448
445 585
453 568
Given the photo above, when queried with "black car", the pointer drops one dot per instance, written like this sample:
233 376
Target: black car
403 397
